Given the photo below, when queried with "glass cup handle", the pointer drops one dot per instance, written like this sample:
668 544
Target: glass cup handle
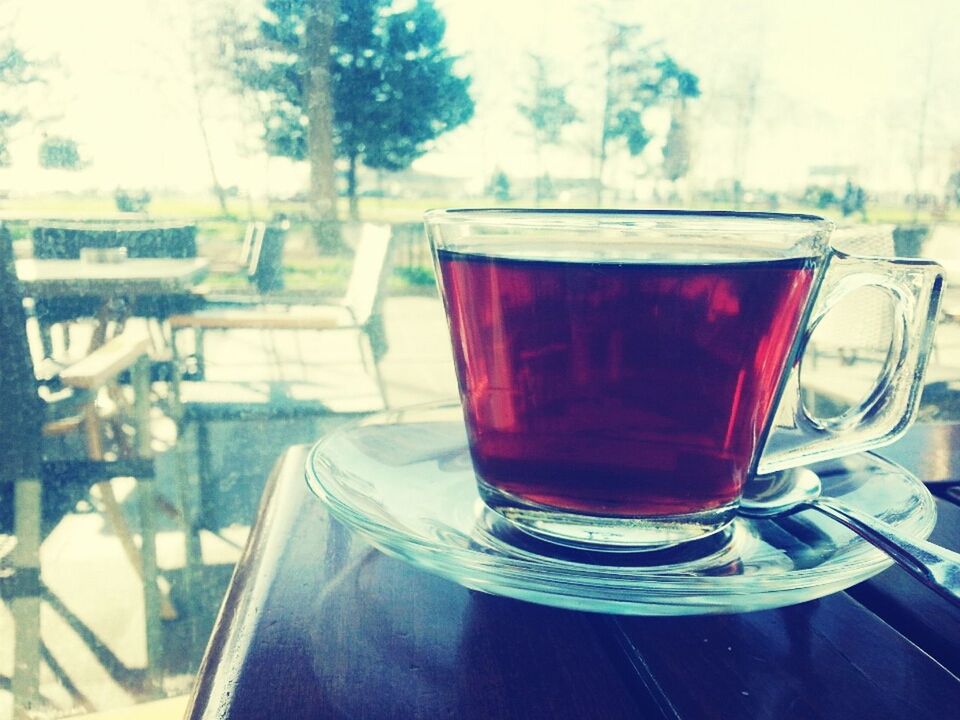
914 287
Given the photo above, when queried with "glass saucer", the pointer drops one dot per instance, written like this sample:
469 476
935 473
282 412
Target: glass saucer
405 481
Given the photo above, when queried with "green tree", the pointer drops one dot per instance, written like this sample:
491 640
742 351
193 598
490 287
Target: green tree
638 76
391 81
548 111
60 153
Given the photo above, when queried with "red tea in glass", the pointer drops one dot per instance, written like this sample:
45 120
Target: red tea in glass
620 371
620 389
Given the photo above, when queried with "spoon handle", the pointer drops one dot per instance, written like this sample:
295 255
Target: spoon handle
934 566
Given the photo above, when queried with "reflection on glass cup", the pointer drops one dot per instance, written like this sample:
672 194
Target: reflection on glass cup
620 371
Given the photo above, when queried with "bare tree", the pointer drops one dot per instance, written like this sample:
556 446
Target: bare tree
637 76
204 30
744 108
548 111
17 72
676 149
917 165
201 44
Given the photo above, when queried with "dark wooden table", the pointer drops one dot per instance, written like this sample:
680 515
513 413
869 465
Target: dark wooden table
318 624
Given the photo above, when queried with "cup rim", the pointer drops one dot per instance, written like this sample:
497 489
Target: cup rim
589 216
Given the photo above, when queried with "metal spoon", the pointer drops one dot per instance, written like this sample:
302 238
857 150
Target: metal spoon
780 493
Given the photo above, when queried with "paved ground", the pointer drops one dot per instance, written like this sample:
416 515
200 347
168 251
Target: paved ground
92 623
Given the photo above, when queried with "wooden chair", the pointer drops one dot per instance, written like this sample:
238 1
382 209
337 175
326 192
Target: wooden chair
260 259
241 263
265 269
54 446
360 311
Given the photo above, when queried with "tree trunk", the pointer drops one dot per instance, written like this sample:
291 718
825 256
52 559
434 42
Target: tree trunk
352 187
539 174
917 169
318 38
601 162
198 93
202 122
746 108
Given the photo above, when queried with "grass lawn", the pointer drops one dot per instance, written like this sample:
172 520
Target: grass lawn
388 210
307 269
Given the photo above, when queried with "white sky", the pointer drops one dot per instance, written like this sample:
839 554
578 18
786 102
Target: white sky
837 82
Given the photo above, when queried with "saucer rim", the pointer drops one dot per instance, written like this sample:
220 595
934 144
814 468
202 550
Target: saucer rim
450 561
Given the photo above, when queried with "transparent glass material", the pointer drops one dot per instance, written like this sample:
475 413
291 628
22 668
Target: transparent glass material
405 481
621 371
914 288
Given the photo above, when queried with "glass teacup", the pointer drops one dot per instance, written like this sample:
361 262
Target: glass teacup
620 371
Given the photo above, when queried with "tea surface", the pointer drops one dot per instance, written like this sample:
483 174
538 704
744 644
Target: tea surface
620 389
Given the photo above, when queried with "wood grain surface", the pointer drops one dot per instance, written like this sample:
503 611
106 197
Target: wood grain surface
318 624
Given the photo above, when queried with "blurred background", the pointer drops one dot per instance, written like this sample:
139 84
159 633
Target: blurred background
203 109
323 117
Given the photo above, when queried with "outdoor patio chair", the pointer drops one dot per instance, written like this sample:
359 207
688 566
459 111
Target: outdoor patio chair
241 263
204 399
265 256
260 260
360 310
56 442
